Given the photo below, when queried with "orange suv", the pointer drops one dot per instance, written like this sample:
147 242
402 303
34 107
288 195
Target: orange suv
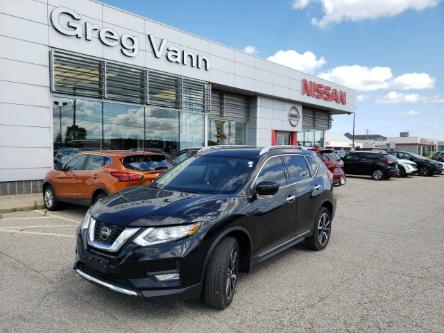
92 175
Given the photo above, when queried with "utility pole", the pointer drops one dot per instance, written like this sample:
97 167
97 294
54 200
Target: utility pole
353 137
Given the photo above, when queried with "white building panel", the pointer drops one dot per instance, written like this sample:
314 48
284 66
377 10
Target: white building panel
16 71
123 19
23 51
27 9
25 115
25 136
24 94
23 29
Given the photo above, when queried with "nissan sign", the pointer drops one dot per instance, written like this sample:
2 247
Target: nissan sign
324 92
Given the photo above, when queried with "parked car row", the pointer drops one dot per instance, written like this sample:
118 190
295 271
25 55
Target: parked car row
383 165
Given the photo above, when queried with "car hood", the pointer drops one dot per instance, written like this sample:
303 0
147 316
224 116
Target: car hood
147 206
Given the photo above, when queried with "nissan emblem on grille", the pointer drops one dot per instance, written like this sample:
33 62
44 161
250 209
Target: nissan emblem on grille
105 232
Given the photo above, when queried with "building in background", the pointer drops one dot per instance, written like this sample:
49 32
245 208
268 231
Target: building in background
86 75
414 144
339 142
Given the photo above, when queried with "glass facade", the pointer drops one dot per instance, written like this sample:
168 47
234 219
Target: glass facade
311 138
225 132
89 124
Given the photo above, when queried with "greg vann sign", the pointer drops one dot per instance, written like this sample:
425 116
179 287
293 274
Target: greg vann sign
70 23
324 92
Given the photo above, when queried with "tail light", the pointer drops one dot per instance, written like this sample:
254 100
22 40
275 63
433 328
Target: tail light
126 177
387 160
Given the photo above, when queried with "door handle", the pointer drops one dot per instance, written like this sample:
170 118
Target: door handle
291 198
317 187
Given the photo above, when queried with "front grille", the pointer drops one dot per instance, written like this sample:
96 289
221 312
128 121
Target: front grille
99 236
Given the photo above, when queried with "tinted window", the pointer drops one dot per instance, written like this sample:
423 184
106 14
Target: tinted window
297 168
145 163
368 156
351 157
273 171
76 163
96 162
312 165
208 174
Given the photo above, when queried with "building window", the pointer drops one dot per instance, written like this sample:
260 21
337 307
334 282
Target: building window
162 129
77 123
311 138
123 126
225 132
192 130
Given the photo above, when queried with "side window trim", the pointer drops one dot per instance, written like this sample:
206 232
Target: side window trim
309 169
254 183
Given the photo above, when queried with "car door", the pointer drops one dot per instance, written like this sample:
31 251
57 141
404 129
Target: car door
366 163
301 184
66 181
88 175
351 163
273 215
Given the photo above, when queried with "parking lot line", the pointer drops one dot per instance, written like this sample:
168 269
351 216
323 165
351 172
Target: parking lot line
41 226
27 218
37 233
64 218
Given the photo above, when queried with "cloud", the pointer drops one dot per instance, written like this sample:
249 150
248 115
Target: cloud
361 97
394 97
375 78
306 62
250 49
336 11
411 113
413 81
360 77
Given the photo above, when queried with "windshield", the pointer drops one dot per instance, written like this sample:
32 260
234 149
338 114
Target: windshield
208 175
145 163
418 156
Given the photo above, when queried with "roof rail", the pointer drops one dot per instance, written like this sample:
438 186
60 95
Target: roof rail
268 148
209 148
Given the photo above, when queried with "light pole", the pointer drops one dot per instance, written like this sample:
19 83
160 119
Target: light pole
57 104
353 135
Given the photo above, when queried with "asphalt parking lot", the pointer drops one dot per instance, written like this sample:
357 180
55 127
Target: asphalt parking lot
382 271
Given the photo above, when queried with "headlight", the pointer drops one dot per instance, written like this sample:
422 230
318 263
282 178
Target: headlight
152 236
86 221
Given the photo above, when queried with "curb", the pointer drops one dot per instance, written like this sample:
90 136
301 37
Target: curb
19 209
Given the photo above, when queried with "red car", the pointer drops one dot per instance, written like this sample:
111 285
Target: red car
334 165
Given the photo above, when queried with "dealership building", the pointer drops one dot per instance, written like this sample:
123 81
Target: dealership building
82 74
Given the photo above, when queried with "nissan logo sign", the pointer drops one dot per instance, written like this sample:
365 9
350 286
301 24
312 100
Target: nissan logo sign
294 116
105 232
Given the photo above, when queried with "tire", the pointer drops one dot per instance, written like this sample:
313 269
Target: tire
98 197
377 174
321 231
221 275
402 172
424 171
49 198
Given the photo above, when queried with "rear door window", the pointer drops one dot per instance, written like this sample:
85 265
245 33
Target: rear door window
76 163
297 168
145 162
96 162
273 171
313 166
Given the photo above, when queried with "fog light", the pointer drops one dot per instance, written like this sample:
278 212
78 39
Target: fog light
167 277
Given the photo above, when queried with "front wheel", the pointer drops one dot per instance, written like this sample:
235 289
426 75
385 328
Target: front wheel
221 275
377 174
50 199
424 171
321 231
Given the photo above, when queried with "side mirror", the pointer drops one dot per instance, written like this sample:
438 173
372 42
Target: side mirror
266 188
65 167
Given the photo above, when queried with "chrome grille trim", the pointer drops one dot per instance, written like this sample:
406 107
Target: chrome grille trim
126 234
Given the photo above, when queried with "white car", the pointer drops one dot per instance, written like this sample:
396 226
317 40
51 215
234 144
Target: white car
406 167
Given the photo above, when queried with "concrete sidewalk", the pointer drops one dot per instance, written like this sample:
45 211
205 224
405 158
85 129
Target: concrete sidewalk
12 203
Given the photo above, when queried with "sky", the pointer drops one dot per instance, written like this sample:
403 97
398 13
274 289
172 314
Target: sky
390 51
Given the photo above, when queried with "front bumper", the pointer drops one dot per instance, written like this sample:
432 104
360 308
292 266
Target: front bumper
177 293
135 270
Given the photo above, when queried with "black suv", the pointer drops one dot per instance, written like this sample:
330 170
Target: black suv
426 167
378 165
223 210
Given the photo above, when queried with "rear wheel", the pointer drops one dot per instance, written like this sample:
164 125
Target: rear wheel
221 275
49 198
377 174
321 231
98 196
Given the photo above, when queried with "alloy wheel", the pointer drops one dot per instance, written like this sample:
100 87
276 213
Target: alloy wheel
49 198
324 228
377 174
232 274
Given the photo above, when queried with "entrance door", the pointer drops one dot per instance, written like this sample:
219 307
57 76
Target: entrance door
283 138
